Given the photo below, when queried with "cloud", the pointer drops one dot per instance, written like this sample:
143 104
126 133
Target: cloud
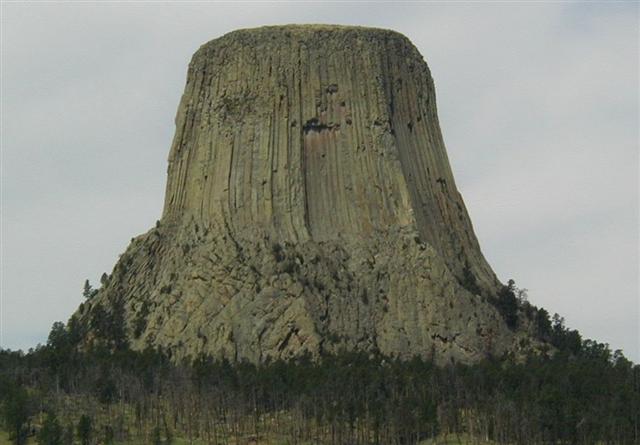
538 104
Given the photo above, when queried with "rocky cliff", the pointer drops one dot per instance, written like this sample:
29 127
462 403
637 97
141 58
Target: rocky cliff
310 206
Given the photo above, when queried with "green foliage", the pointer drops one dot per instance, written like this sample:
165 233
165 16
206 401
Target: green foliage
507 304
566 340
168 435
108 435
51 432
543 325
85 429
58 338
100 322
156 436
67 435
140 323
88 292
278 252
105 389
581 394
577 398
509 301
469 281
15 409
110 326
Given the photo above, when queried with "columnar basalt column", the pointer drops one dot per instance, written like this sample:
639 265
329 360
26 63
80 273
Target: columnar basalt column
310 206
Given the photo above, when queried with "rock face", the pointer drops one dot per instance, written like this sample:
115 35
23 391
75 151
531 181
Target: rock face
310 207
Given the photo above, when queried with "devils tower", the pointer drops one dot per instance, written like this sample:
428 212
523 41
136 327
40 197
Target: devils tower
310 207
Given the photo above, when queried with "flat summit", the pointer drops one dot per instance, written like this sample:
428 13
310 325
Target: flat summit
310 207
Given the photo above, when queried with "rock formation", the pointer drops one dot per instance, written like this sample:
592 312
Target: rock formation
310 207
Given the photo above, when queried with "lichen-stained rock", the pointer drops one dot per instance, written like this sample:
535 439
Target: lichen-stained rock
310 207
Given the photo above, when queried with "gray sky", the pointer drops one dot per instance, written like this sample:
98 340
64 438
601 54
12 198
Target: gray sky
538 103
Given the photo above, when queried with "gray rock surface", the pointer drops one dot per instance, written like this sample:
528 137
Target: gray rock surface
310 207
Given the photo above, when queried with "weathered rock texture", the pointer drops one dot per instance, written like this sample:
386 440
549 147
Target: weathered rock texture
310 206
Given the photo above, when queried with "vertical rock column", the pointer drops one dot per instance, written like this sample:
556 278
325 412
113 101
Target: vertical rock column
317 132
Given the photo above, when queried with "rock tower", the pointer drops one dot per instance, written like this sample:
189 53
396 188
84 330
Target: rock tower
310 207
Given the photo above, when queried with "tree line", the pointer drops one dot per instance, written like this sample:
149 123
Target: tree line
63 394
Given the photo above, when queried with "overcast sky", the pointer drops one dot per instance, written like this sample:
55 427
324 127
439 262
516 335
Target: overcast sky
538 103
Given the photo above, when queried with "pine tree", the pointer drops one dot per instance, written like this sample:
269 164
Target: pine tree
16 412
88 291
85 429
51 431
